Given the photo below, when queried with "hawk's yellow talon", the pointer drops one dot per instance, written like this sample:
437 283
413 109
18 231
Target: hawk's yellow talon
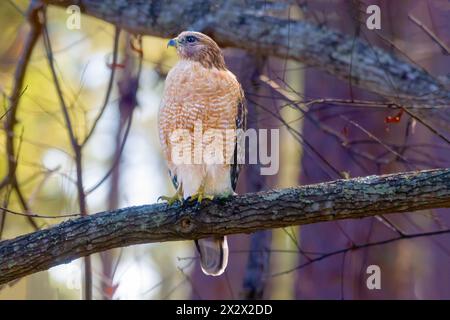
172 199
200 195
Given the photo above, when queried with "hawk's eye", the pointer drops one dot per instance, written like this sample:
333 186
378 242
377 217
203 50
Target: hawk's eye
191 39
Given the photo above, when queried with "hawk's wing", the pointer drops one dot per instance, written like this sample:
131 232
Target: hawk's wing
241 123
174 179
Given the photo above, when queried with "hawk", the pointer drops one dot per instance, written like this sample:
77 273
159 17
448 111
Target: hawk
201 94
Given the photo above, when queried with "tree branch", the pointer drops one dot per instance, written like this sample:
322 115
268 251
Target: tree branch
32 15
341 199
249 25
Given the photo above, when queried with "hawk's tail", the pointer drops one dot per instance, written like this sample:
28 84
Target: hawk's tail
213 255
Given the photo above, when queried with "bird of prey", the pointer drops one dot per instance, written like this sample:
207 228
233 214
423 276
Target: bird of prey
201 94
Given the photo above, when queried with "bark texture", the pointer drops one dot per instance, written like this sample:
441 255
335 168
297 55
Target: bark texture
340 199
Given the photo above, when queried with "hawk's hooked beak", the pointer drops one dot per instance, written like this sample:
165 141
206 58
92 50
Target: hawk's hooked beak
172 43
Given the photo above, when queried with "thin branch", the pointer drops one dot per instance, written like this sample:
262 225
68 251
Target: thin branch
361 246
370 135
340 199
77 154
430 33
33 17
116 159
109 88
41 216
426 124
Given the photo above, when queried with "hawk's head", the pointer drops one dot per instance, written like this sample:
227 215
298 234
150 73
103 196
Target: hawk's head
198 47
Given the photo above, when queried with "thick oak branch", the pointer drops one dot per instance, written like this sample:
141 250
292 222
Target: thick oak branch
341 199
251 26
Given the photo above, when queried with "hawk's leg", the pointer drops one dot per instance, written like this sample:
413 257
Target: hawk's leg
178 196
200 195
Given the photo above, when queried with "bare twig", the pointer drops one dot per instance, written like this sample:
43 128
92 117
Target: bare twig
430 33
109 88
116 157
361 246
35 215
77 155
426 124
33 16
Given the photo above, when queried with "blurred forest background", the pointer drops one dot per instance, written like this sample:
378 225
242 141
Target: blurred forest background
319 142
